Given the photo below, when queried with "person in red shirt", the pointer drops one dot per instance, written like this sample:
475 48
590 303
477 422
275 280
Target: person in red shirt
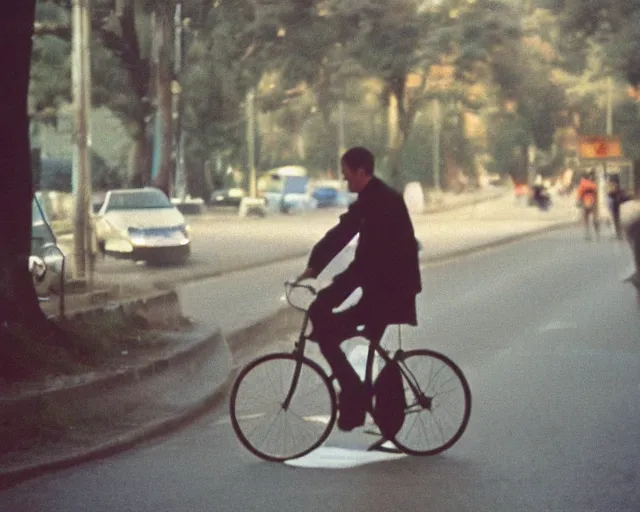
587 197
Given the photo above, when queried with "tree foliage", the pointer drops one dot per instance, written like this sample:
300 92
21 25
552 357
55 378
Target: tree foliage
547 58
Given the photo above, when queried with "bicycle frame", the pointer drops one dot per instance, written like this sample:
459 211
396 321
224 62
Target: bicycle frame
373 349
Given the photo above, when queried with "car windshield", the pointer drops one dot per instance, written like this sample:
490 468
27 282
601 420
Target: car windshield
295 184
142 200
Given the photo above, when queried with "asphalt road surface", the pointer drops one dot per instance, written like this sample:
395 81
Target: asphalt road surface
549 338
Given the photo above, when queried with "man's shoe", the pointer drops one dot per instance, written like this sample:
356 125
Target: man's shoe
347 421
351 412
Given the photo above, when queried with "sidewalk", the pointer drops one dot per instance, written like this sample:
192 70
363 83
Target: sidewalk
161 395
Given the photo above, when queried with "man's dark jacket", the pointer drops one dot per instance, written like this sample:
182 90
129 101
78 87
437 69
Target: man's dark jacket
386 259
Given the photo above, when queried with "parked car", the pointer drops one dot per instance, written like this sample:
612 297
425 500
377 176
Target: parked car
326 196
288 194
142 225
227 197
46 262
332 193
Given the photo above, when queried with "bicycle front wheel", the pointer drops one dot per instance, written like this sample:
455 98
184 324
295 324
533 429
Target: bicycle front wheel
438 403
282 407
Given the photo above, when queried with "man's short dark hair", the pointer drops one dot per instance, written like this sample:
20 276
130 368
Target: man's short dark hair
359 157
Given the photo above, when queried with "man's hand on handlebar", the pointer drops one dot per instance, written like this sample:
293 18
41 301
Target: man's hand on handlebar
309 273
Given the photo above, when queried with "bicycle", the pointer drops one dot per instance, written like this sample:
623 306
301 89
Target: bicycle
303 406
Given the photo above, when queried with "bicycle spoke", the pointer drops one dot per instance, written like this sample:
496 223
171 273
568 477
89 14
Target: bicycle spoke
446 416
426 433
270 428
414 423
439 427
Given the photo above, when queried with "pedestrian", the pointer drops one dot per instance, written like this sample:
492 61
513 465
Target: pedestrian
567 181
630 222
587 201
540 194
385 268
616 197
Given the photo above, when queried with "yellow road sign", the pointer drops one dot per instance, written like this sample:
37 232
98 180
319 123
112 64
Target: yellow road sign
600 147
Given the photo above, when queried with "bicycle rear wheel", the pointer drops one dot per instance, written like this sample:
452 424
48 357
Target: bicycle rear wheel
266 425
436 416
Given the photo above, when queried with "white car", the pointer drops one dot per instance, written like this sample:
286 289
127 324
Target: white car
142 224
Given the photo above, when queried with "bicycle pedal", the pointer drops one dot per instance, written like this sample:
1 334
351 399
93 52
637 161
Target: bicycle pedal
379 446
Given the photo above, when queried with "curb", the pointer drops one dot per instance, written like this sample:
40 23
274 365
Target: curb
447 208
124 442
156 307
147 432
159 428
121 377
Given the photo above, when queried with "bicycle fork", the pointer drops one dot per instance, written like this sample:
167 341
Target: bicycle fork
299 353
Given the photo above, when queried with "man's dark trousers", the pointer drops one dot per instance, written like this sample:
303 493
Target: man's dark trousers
331 329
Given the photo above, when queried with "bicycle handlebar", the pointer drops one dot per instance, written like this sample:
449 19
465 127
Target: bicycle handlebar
290 285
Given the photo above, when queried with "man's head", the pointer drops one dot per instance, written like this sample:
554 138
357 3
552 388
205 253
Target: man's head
357 168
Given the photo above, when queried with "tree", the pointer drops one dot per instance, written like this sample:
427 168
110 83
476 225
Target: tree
120 69
514 46
29 342
612 28
611 23
395 43
301 46
134 77
214 83
151 74
122 77
17 294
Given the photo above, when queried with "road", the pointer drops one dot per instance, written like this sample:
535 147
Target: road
548 337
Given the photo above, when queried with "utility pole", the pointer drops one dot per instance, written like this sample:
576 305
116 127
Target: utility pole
180 179
437 122
609 106
602 176
81 78
251 156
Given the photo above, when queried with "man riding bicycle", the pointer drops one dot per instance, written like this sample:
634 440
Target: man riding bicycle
385 267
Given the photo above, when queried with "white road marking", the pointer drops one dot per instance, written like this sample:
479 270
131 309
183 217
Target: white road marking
329 457
558 325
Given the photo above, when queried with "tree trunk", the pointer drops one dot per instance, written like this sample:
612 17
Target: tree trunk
165 100
16 289
18 302
398 130
140 161
29 342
